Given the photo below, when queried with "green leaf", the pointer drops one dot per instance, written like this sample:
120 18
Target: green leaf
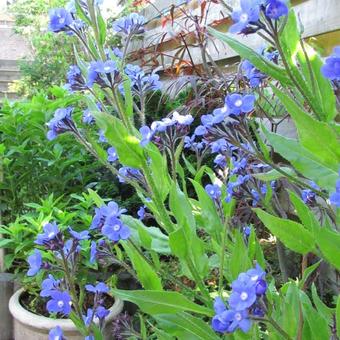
307 273
145 273
304 161
323 310
129 151
306 216
159 169
186 326
96 198
102 28
320 86
337 316
160 241
239 261
273 174
178 243
329 243
4 242
161 302
181 208
212 222
292 234
261 63
128 97
315 136
314 323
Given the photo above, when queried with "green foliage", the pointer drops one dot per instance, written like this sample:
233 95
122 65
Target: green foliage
32 166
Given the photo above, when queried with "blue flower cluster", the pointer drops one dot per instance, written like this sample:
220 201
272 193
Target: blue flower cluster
247 18
131 24
141 83
60 123
66 246
331 68
335 196
235 105
245 300
179 123
252 74
62 20
107 220
308 195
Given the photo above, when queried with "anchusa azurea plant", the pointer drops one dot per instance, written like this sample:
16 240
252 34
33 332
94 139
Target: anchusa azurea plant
247 182
246 300
64 254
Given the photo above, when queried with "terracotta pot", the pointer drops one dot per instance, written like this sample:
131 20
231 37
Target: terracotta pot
30 326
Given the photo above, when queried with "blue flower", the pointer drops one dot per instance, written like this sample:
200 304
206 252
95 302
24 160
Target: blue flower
99 288
252 73
219 306
220 161
238 165
331 68
87 117
238 104
88 317
335 196
74 78
213 190
115 230
147 135
60 20
106 67
61 122
49 285
276 9
111 209
82 235
308 195
246 231
141 213
102 312
230 320
112 154
35 263
93 252
182 120
56 334
50 232
201 130
248 14
60 303
243 294
102 138
128 172
131 24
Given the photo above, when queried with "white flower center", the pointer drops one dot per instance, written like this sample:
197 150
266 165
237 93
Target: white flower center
61 20
238 103
107 68
244 296
244 17
212 192
51 234
238 316
116 227
254 277
60 303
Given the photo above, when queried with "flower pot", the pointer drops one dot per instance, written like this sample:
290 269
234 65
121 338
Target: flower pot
30 326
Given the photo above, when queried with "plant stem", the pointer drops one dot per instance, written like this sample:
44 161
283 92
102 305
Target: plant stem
221 269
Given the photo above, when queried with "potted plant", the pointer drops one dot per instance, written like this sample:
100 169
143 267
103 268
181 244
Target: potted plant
69 300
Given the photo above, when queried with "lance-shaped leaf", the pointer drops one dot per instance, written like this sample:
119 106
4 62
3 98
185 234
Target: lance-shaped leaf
292 234
161 302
